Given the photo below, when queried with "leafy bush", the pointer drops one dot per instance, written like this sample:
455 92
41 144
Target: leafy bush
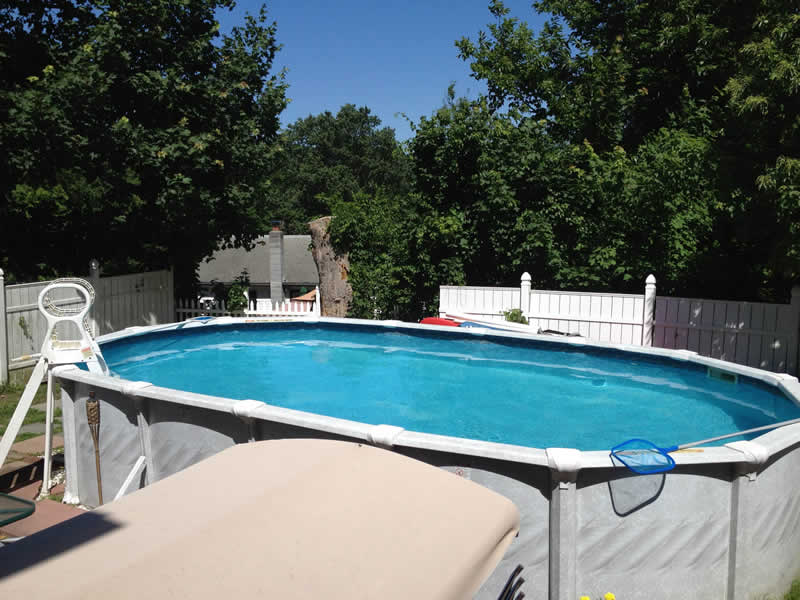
515 316
237 301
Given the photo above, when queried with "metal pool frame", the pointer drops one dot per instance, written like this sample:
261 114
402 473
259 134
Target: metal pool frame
724 524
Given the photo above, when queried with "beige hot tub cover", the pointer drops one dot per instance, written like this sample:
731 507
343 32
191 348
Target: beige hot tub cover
311 519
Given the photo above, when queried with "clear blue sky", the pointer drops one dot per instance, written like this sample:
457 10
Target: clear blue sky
389 55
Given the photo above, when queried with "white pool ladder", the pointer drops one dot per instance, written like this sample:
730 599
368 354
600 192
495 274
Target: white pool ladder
56 352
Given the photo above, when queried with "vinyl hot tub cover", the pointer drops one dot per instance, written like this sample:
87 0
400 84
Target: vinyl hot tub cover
322 519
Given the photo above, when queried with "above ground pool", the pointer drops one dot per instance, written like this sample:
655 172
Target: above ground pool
531 417
490 388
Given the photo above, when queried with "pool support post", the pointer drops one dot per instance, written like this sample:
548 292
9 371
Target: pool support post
564 465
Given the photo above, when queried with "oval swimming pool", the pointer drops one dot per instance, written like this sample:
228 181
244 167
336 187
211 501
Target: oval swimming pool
722 524
507 390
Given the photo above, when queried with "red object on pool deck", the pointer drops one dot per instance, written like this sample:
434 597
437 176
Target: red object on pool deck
438 321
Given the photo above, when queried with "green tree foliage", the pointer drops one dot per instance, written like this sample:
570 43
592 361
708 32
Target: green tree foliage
236 300
703 99
131 132
625 137
327 157
512 198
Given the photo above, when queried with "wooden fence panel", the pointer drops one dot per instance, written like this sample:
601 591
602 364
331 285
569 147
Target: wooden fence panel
138 299
120 301
25 326
749 333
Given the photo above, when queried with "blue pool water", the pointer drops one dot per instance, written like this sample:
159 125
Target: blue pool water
492 389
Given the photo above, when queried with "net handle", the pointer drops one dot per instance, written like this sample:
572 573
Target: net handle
730 435
665 451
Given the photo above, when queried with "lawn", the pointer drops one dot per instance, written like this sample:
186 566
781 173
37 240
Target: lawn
9 397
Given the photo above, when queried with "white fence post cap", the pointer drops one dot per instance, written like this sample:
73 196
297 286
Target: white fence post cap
526 276
651 279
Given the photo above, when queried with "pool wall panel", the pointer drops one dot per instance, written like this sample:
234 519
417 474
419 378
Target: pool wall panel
724 524
645 534
181 436
768 541
118 438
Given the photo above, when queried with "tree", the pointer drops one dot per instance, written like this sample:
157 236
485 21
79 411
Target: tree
132 132
327 157
719 79
515 199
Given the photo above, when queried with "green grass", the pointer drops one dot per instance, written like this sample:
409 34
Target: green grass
9 397
794 591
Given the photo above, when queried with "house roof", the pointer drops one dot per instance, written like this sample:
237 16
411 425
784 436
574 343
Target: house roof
298 264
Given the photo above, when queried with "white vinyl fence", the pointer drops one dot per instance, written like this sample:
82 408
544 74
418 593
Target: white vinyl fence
187 309
120 301
605 317
748 333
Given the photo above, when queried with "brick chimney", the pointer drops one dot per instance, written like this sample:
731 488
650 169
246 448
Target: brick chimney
276 263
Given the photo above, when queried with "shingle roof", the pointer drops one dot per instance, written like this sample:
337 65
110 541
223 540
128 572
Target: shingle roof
298 264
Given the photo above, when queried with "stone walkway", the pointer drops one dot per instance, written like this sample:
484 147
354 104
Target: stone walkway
48 512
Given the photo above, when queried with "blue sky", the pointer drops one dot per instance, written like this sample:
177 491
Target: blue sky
394 57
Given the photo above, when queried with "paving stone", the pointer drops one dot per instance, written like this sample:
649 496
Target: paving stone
32 428
47 513
35 446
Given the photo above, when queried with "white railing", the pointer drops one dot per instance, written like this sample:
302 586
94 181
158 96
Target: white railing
120 301
188 309
749 333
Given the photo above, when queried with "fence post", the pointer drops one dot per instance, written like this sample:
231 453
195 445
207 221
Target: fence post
94 279
3 332
172 316
317 304
525 293
648 320
794 334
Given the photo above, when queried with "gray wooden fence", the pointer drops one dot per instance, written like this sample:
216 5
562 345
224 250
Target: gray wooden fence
120 301
748 333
